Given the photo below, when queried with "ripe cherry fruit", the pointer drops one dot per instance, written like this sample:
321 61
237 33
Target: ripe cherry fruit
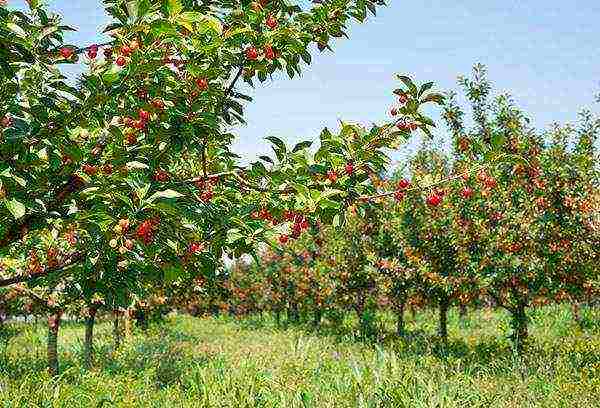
271 22
92 52
332 176
66 52
467 193
269 53
434 200
349 169
144 115
125 51
404 183
252 54
202 84
158 104
121 61
283 239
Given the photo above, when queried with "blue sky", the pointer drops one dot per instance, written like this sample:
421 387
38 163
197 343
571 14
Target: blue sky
545 52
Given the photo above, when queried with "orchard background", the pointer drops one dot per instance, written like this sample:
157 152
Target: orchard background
155 265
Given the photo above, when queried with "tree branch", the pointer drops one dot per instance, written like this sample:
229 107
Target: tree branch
69 261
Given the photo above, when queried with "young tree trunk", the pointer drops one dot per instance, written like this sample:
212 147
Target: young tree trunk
88 345
462 311
293 313
443 319
53 326
400 319
116 331
519 325
575 309
127 322
318 316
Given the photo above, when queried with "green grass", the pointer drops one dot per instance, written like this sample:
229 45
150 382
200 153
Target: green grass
190 362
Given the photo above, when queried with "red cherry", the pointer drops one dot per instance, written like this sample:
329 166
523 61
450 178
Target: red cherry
6 122
202 84
349 169
142 93
206 195
434 200
467 193
144 115
139 124
107 169
252 54
332 176
131 138
158 104
271 22
125 51
89 169
412 126
269 53
134 45
304 224
195 247
92 51
399 195
121 61
283 239
402 184
490 182
66 52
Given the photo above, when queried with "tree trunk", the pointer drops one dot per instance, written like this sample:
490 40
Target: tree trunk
519 325
443 321
53 326
116 331
462 310
317 317
88 345
293 313
127 318
575 309
400 320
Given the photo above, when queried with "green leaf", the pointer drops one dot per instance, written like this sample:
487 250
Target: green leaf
301 146
16 208
233 235
408 82
434 97
174 7
279 146
425 87
168 194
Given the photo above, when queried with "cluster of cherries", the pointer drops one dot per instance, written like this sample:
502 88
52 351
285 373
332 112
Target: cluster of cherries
206 186
252 53
403 124
146 230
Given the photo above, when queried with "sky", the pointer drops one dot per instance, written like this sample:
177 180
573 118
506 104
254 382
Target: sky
546 53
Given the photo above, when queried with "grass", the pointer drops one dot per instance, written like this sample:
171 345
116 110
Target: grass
225 362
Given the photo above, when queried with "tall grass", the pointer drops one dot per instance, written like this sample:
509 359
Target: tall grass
225 362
